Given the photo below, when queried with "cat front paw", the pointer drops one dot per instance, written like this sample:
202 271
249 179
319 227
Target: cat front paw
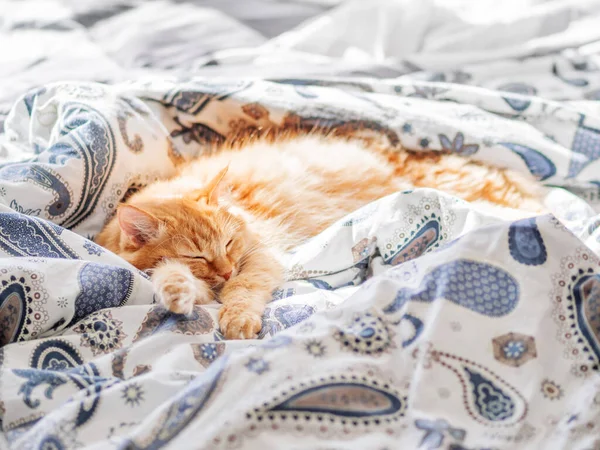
177 294
238 320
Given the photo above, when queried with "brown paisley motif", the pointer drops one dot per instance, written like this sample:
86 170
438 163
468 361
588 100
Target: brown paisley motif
141 369
136 145
159 320
348 128
118 363
22 312
174 155
256 111
11 310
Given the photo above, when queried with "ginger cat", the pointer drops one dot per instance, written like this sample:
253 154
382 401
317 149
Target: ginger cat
216 229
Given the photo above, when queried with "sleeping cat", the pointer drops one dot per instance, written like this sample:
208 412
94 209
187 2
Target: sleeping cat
216 229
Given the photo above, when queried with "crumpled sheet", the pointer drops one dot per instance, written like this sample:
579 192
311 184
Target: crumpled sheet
418 321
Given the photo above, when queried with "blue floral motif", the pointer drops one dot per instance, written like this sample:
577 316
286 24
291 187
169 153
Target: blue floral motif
480 287
209 351
257 365
27 211
514 349
315 348
367 334
491 402
525 243
132 394
93 249
457 145
35 378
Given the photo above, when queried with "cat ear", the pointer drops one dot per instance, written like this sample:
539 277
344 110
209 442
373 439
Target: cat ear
213 187
210 193
139 226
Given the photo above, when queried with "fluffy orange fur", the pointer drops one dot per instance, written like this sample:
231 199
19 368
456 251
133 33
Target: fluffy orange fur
217 229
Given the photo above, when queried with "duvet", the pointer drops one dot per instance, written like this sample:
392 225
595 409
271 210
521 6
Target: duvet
418 321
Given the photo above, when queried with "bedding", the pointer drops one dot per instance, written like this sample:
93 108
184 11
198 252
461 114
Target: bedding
418 321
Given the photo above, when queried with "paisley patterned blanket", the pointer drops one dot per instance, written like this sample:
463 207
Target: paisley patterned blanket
418 321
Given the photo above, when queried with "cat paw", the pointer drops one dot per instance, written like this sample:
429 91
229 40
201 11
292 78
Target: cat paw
204 294
177 293
238 321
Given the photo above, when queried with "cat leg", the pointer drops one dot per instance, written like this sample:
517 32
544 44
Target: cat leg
244 297
178 289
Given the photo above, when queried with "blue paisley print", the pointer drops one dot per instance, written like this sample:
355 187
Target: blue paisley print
183 408
21 235
519 104
491 402
538 164
485 328
102 286
44 177
478 286
586 146
525 243
94 140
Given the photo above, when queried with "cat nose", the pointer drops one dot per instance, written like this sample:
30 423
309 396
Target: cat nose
226 275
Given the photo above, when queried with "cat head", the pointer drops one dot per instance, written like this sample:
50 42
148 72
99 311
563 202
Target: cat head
193 229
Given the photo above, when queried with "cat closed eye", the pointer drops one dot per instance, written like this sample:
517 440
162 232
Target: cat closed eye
200 258
229 244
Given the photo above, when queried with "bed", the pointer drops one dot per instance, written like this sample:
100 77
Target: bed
419 321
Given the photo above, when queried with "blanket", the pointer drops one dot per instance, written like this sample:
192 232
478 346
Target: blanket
418 321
